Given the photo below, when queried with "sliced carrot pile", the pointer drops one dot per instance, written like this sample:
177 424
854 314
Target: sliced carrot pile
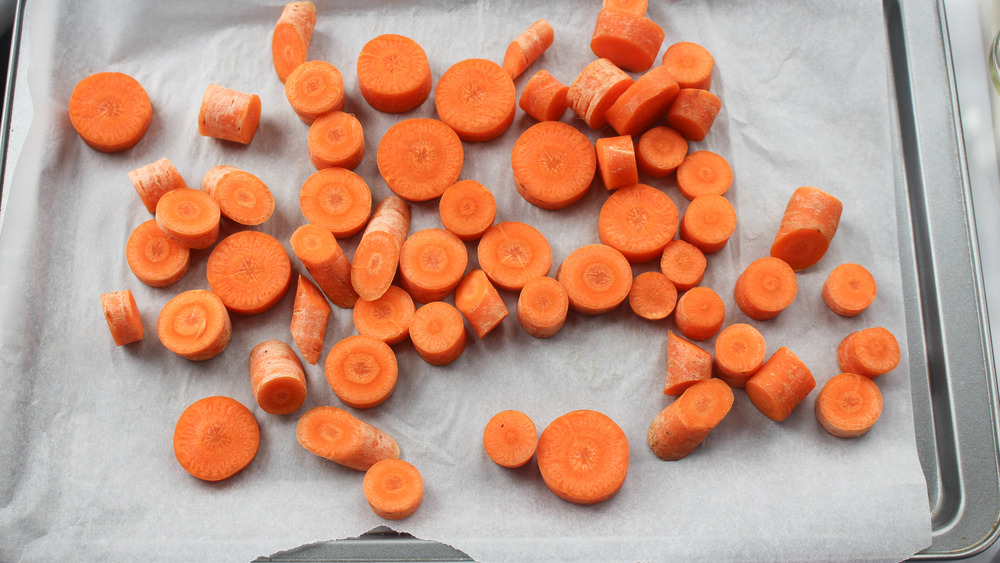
291 37
638 221
510 438
228 114
849 289
630 41
870 352
336 139
780 384
690 64
375 260
154 258
554 164
393 73
687 364
322 256
190 217
420 158
336 199
276 377
362 371
700 313
122 314
467 209
597 278
249 271
693 113
644 102
242 197
739 352
765 288
616 161
544 97
527 47
480 303
595 89
386 318
684 424
704 173
807 226
476 98
110 111
652 296
216 438
848 405
512 253
314 88
542 307
683 263
194 325
310 314
431 264
583 457
634 7
155 179
438 333
339 436
708 222
393 488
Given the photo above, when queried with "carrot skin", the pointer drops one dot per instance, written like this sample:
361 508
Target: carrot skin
310 315
123 317
780 384
276 377
684 424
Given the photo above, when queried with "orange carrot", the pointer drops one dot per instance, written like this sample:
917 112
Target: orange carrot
467 209
683 263
638 221
703 173
780 384
242 197
216 438
228 114
276 377
687 364
652 296
336 199
291 37
807 227
634 7
510 439
375 260
339 436
870 352
319 252
630 41
386 318
848 405
362 371
393 73
644 102
310 314
393 488
660 151
476 98
154 258
122 314
554 164
542 307
420 158
765 288
544 97
739 353
527 47
155 179
583 457
700 313
431 264
110 111
336 139
479 301
438 333
190 217
690 64
313 89
616 161
249 271
512 253
595 89
693 113
708 222
685 423
597 278
194 325
849 289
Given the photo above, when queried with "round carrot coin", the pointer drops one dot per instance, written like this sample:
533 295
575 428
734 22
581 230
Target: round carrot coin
110 111
420 158
583 457
554 164
216 438
249 271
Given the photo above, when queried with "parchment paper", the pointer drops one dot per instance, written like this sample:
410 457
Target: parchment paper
86 452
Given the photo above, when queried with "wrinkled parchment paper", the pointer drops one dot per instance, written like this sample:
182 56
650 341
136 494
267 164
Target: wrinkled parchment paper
86 454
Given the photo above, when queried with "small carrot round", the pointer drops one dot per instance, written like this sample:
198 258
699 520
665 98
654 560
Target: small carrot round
660 151
438 333
693 113
527 47
362 371
154 258
690 64
310 314
110 111
616 161
583 457
386 318
848 405
597 278
194 325
393 488
634 7
638 221
510 438
242 197
122 314
336 199
739 352
849 289
708 222
700 313
765 288
216 438
780 384
249 271
276 377
431 264
189 216
377 256
542 307
652 296
480 303
685 423
467 209
595 89
703 173
291 37
554 164
687 364
870 352
644 102
314 88
336 139
228 114
544 97
630 41
393 73
807 226
476 98
153 180
319 252
683 263
512 253
339 436
420 158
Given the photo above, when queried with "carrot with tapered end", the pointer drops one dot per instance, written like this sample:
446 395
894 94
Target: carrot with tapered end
322 256
438 333
110 111
685 423
336 199
154 258
229 114
393 488
122 314
848 405
336 139
190 217
249 271
634 7
194 325
242 197
510 438
431 264
653 296
512 253
693 113
362 371
597 278
476 98
393 73
420 158
638 221
849 289
708 222
687 364
542 307
291 37
683 263
339 436
554 164
467 209
479 301
310 314
629 41
644 102
807 226
377 256
216 438
690 64
544 97
660 151
739 352
700 313
780 384
386 318
527 47
155 179
765 288
870 352
276 377
595 89
313 89
704 173
583 457
616 161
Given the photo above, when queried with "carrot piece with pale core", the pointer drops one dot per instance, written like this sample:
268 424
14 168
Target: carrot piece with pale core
393 488
739 352
583 457
510 438
377 256
313 89
310 314
190 217
616 161
153 180
122 315
291 37
544 97
703 173
242 197
386 318
542 307
652 296
638 221
765 288
708 222
780 384
438 333
194 325
362 371
476 98
644 102
660 151
690 64
595 89
700 313
597 278
341 437
431 264
229 114
216 438
683 263
630 41
336 139
420 158
467 209
849 289
326 262
249 271
512 253
527 47
848 405
870 352
693 113
480 302
685 423
154 258
277 380
807 226
393 73
554 164
110 111
336 199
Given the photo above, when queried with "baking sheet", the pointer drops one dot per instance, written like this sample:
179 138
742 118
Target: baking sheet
88 442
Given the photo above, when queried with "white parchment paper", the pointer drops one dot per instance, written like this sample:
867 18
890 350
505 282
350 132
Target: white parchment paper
86 453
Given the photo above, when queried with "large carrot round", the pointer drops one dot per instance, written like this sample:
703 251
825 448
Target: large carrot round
467 209
652 296
319 252
700 313
702 173
583 457
122 314
685 423
807 227
630 41
644 102
544 97
431 264
765 288
154 258
480 302
339 436
660 151
527 47
362 371
780 384
849 289
542 307
476 98
228 114
291 37
337 199
597 278
708 222
393 488
693 113
249 271
155 179
276 377
310 314
336 139
386 318
690 64
194 325
870 352
595 89
848 405
683 263
190 217
393 73
216 438
420 158
512 253
375 260
510 438
687 364
438 333
638 221
616 161
314 88
242 197
110 111
554 164
739 352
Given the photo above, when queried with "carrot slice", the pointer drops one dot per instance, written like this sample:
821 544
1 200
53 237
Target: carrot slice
687 364
849 289
512 253
467 209
685 423
249 271
660 151
310 314
595 89
554 164
690 64
393 488
319 252
527 47
780 384
630 41
848 405
189 216
634 7
375 260
386 318
393 73
362 371
420 158
242 197
438 333
616 161
228 114
542 307
314 88
291 37
583 457
110 111
870 352
216 438
652 296
194 325
739 353
700 313
122 314
276 377
683 263
597 278
544 97
336 199
765 288
807 226
155 179
693 113
336 139
645 101
339 436
638 221
708 222
510 439
479 301
154 258
704 173
476 98
431 264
